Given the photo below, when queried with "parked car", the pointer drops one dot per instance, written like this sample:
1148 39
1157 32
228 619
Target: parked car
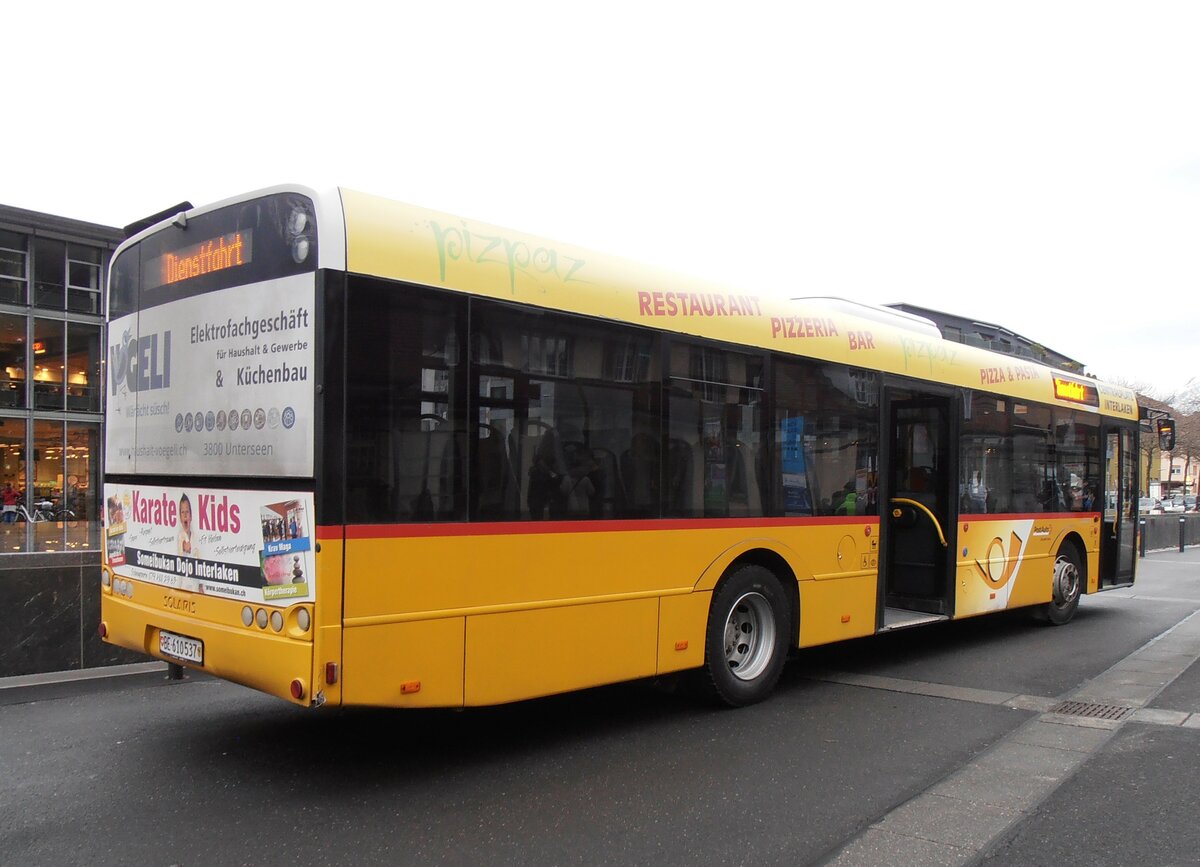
1191 503
1173 504
1149 506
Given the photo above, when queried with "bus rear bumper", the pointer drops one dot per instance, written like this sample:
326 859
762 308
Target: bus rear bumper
251 656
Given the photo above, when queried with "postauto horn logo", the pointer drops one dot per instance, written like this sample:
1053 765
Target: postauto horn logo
140 363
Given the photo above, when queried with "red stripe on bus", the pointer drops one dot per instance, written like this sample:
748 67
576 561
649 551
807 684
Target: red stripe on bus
526 528
1028 516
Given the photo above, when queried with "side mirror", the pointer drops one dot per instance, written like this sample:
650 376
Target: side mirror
1166 434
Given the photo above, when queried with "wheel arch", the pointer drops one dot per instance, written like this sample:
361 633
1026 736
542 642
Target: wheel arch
1071 539
757 553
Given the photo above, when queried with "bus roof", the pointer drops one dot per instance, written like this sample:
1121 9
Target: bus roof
389 239
402 242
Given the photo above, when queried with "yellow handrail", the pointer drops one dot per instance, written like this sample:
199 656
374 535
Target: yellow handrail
922 507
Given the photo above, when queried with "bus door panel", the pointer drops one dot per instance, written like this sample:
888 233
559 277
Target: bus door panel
1117 543
918 509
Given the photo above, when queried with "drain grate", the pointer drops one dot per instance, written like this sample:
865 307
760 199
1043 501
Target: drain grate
1092 709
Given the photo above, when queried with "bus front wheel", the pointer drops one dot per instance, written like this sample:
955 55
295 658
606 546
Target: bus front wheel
1068 585
746 640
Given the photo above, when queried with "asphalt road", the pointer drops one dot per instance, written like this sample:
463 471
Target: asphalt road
854 760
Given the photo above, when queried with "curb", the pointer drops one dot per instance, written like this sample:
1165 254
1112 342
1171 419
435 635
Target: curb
83 674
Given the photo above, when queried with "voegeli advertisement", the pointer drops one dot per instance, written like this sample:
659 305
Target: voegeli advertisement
253 546
220 383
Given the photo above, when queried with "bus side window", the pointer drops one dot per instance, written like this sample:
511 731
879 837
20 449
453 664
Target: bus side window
405 405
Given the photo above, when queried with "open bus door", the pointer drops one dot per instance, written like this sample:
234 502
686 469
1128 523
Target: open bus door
919 509
1119 535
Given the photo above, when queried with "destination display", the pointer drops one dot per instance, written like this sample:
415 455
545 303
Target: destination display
1076 392
254 546
233 250
220 383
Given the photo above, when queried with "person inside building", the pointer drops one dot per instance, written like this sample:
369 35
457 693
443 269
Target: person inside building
8 503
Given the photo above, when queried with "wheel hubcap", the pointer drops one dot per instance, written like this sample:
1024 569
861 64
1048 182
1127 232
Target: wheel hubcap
749 636
1066 582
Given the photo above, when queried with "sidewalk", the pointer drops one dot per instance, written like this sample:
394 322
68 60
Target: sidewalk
1110 777
53 677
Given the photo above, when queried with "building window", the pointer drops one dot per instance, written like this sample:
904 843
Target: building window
12 460
13 364
83 279
46 468
49 273
48 363
14 276
81 463
82 372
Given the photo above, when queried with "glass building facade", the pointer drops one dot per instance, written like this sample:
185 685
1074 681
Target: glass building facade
52 290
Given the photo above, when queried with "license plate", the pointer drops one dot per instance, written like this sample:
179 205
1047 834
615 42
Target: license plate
181 647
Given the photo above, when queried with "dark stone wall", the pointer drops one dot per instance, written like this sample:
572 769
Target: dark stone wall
1162 531
49 611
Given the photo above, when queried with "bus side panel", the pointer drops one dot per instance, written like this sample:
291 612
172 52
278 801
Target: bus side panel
682 623
834 610
1009 563
328 637
403 576
413 664
523 654
1093 575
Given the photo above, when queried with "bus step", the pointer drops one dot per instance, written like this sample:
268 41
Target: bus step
902 618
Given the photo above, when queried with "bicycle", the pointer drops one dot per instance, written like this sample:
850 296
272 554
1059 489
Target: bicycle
44 510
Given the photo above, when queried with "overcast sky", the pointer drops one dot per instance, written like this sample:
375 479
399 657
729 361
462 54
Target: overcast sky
1035 165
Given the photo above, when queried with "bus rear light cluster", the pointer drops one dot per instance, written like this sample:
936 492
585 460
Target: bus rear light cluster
277 619
105 578
297 229
123 588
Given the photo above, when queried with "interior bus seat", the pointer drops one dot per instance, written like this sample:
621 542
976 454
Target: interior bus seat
609 489
419 481
536 445
742 482
493 480
582 487
685 486
408 461
639 477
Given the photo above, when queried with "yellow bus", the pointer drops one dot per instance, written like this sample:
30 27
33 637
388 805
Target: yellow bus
363 453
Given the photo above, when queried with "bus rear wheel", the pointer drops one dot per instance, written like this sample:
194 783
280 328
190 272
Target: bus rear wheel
1068 585
746 640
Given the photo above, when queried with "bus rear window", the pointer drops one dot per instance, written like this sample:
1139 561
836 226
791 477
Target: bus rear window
262 239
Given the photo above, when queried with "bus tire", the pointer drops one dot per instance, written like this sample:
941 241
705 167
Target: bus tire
1066 590
747 636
